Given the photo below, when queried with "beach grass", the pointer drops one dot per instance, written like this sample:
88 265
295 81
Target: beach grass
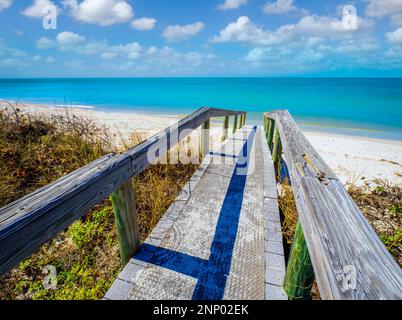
36 150
379 201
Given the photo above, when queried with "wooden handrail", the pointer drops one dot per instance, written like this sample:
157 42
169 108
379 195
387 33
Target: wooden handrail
29 222
172 135
349 259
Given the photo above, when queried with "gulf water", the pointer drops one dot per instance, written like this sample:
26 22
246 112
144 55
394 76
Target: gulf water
360 106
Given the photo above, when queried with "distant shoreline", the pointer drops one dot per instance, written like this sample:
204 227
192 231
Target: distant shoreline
353 158
306 124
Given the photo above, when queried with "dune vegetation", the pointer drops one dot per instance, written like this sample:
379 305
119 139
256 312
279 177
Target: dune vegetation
36 150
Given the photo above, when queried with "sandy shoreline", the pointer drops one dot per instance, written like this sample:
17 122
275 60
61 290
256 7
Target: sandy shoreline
354 159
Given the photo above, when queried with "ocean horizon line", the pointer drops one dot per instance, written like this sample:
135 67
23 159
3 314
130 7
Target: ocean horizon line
204 77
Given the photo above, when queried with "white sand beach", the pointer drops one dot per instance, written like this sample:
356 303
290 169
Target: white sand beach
354 159
359 159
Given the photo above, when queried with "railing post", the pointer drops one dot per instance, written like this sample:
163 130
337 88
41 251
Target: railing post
168 157
225 128
299 276
205 138
125 214
277 148
241 121
270 132
235 124
244 119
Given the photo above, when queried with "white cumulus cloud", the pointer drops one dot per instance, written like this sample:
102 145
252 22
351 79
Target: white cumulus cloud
179 33
279 7
244 30
383 8
68 38
353 47
72 42
311 27
143 23
257 54
131 50
4 4
101 12
38 9
395 37
232 4
45 43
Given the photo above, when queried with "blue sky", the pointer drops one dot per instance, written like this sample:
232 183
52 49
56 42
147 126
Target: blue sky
98 38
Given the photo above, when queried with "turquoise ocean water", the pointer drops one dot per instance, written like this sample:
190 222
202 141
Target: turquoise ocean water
360 106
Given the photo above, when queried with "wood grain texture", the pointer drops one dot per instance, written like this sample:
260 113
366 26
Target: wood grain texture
341 243
300 154
31 221
277 148
28 223
270 132
125 216
300 274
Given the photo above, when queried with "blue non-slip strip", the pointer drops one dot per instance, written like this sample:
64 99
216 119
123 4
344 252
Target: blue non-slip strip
211 283
172 260
212 273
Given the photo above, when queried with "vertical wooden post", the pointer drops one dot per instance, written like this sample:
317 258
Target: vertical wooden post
267 123
277 147
270 132
125 215
272 129
225 128
244 119
235 124
299 276
277 154
205 138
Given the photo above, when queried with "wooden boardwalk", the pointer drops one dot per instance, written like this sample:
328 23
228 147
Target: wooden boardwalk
221 238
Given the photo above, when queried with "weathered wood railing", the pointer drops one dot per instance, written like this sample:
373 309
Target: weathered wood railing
31 221
333 241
